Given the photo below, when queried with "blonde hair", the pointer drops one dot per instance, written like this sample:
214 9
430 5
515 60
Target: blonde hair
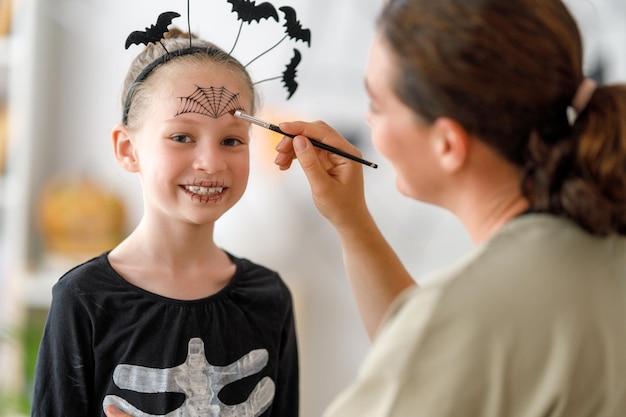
136 91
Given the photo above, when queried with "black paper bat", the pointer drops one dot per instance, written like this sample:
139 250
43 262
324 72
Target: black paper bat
247 10
293 26
289 75
293 30
154 33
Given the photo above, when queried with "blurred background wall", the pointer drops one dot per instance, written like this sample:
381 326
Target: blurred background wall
63 65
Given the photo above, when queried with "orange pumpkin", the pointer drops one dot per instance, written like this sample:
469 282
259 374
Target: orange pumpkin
77 216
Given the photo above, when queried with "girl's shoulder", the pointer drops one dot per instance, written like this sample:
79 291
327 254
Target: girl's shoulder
89 276
256 277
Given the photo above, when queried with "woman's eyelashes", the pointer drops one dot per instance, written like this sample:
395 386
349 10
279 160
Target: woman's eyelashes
372 112
373 107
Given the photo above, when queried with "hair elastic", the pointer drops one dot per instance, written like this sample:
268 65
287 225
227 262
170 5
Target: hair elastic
581 99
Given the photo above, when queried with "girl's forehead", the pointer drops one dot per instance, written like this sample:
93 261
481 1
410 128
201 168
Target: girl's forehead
204 89
183 80
203 74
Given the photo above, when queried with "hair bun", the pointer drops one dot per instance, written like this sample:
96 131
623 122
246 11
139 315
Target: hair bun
175 33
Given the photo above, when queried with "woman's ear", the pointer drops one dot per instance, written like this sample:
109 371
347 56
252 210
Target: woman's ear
452 144
124 149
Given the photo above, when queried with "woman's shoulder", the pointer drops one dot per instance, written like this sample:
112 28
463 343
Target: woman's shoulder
544 242
535 259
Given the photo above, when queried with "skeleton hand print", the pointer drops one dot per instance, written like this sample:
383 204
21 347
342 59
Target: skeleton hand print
199 381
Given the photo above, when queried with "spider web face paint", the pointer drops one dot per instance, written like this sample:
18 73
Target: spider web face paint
213 102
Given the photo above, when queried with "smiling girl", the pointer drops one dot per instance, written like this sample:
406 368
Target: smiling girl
167 322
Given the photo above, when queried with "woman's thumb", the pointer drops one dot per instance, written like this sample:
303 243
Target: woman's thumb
307 157
300 144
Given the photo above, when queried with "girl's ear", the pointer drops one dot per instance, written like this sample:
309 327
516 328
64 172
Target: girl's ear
124 149
452 144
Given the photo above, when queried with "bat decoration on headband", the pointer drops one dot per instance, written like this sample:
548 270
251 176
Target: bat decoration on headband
293 26
293 30
289 75
154 33
248 11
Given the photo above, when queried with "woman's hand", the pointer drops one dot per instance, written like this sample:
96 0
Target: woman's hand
336 182
374 270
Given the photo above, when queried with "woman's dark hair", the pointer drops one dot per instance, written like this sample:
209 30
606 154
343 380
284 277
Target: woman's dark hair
507 71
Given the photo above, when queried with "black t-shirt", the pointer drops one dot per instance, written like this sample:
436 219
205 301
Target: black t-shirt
107 341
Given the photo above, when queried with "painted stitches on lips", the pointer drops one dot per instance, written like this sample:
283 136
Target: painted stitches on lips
205 191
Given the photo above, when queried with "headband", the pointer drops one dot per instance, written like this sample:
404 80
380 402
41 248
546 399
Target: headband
148 69
247 12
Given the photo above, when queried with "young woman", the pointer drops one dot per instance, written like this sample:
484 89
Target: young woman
482 108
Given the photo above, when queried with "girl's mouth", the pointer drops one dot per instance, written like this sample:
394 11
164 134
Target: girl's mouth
205 191
196 189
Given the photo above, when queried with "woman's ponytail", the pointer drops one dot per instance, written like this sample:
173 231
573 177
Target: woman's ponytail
583 177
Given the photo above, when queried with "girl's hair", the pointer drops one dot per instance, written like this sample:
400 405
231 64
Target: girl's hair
507 71
136 95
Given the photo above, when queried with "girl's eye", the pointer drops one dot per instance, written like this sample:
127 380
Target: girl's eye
231 142
181 138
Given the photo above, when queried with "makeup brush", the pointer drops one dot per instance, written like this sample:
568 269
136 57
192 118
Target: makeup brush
318 144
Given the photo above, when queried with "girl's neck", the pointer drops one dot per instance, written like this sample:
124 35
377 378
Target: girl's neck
180 263
170 244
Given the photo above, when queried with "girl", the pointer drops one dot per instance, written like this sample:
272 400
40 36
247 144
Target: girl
168 323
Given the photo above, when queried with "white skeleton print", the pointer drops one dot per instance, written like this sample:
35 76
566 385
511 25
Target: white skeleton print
199 381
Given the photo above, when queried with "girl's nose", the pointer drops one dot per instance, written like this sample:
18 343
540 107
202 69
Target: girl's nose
208 158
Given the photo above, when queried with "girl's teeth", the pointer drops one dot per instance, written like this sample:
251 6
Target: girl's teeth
204 190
